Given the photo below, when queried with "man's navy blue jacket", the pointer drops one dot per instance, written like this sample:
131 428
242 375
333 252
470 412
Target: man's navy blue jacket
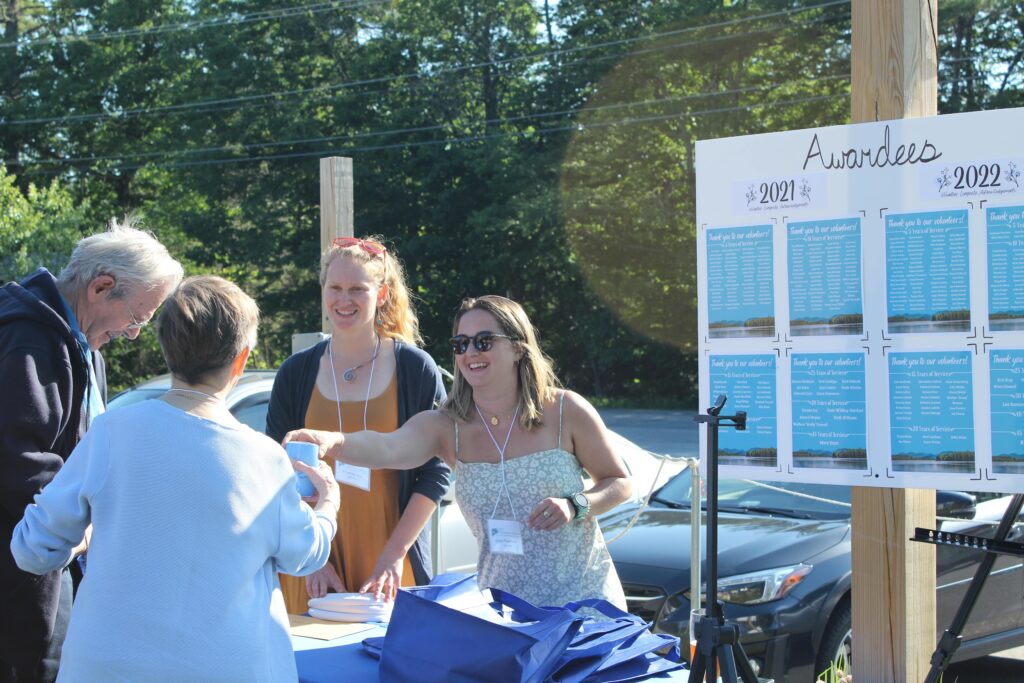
43 379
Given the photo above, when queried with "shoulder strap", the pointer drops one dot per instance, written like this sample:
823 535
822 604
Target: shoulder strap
561 402
456 423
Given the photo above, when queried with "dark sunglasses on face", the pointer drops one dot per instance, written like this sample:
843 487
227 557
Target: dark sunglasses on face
482 341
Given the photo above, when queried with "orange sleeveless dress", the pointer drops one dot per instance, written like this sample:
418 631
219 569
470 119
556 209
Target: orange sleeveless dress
366 519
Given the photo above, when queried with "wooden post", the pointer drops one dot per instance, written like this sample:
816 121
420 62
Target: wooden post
894 75
337 207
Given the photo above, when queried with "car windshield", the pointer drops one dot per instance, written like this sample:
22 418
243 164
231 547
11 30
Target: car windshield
810 501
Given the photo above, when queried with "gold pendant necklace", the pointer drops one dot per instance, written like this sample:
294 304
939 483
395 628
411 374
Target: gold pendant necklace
495 419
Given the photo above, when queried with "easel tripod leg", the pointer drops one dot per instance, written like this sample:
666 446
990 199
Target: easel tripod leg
950 640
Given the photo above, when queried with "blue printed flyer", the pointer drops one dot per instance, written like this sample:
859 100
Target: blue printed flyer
931 411
1005 232
824 277
1006 375
927 272
749 383
741 302
829 418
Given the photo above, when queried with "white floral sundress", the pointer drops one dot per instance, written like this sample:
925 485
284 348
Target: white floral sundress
556 567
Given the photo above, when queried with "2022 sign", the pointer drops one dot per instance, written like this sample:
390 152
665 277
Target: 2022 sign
993 177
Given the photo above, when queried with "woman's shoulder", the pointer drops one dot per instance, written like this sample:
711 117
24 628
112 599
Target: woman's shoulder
412 354
416 368
257 445
571 404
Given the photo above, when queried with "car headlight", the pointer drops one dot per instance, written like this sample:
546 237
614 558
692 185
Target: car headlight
761 586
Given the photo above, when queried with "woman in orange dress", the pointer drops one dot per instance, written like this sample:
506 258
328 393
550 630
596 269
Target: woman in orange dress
369 375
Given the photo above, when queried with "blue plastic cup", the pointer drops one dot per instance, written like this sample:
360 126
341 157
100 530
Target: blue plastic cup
308 453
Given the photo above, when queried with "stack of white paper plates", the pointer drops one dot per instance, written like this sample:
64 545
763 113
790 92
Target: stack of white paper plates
350 607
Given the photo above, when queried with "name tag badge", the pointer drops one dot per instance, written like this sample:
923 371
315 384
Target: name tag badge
353 475
504 536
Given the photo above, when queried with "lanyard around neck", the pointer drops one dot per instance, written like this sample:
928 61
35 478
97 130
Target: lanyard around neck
501 456
369 383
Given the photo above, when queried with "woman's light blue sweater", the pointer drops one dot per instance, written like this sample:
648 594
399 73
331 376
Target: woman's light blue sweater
192 520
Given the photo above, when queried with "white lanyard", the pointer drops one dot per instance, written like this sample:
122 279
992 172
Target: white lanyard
501 455
352 474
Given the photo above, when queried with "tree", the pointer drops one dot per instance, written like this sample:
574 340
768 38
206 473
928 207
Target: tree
530 148
981 55
38 227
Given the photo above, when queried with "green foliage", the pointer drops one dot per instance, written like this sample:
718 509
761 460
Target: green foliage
837 672
538 149
956 456
38 227
961 314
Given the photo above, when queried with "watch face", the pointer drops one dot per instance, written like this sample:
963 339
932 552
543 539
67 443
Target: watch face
581 503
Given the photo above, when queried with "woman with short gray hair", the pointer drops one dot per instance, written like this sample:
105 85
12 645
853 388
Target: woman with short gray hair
194 514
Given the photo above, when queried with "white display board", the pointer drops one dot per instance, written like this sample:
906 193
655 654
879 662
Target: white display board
861 297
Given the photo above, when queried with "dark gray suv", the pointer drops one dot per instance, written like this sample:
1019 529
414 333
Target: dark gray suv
784 568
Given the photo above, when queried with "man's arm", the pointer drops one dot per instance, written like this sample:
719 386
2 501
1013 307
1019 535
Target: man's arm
32 416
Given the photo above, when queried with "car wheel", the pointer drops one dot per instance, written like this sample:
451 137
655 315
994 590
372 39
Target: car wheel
837 643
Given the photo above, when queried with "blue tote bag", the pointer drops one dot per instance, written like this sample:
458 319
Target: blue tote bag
615 649
428 642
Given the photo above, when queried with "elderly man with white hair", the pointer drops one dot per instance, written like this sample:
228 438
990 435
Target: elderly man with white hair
54 383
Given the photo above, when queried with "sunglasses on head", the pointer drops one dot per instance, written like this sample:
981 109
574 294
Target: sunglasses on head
482 341
370 247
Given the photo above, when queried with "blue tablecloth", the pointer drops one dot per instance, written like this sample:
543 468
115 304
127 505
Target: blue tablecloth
342 659
330 661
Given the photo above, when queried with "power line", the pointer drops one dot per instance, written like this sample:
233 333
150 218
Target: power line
476 138
416 75
421 129
590 60
265 15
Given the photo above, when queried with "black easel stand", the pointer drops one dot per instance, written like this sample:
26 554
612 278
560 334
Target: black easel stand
951 639
718 644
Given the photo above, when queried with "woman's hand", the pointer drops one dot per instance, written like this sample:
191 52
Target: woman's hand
83 547
386 578
324 581
328 494
551 514
325 440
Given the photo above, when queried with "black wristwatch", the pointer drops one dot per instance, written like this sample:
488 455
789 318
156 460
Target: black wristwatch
581 503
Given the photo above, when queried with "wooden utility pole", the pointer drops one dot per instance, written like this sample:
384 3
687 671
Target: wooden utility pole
337 207
894 76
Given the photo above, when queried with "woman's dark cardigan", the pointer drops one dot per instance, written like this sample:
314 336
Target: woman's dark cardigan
419 388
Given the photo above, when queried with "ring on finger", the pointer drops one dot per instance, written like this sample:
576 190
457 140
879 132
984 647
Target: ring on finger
547 513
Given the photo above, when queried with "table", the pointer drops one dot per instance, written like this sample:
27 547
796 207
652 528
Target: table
342 659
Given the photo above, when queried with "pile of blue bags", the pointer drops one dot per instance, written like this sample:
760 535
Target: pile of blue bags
512 640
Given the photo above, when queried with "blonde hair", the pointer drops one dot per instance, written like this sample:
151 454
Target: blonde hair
536 383
395 318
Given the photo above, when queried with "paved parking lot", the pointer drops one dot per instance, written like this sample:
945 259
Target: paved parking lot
666 432
673 432
1003 667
